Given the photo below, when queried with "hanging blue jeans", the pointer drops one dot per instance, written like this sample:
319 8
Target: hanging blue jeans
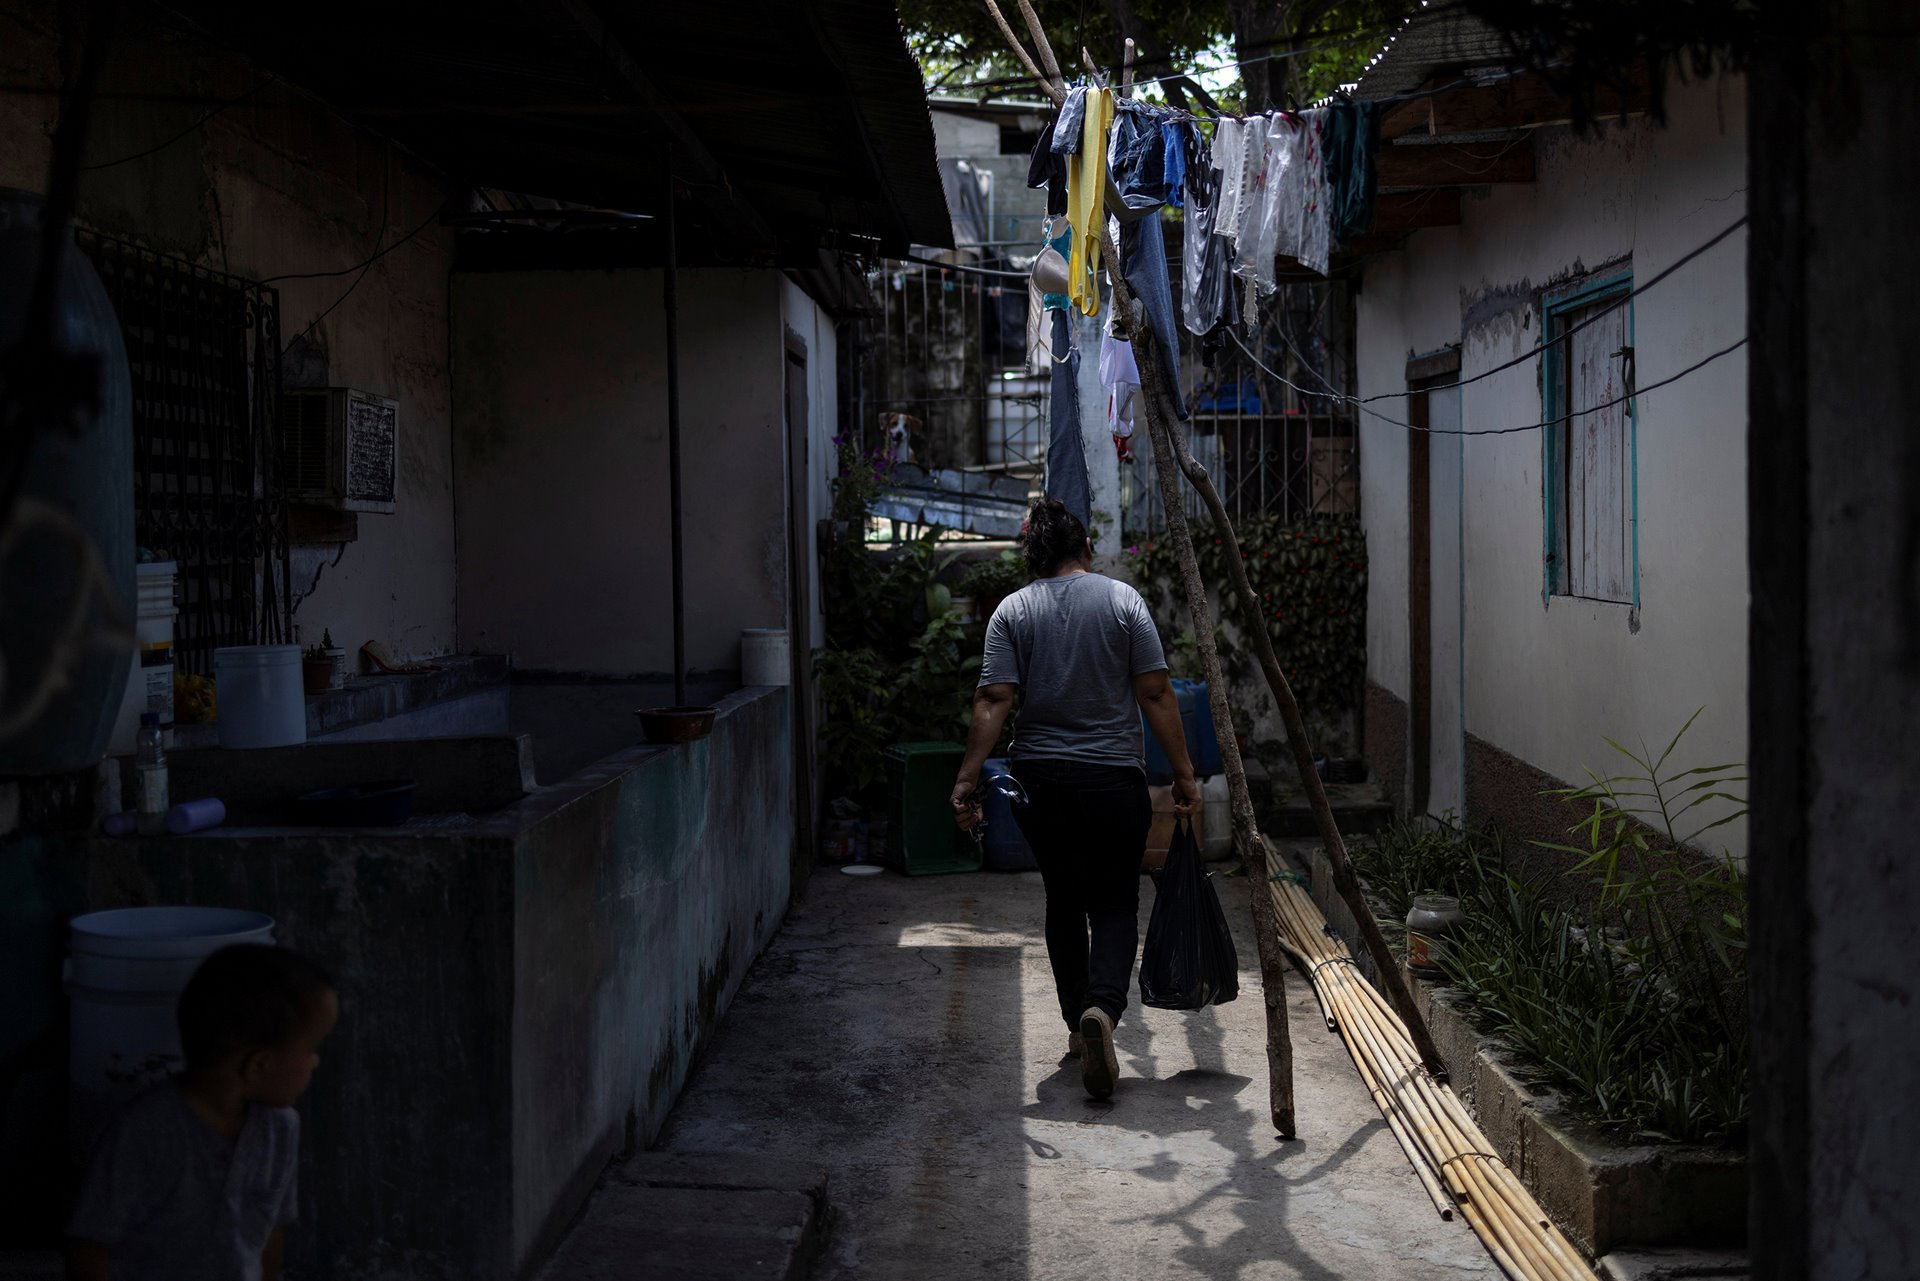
1067 477
1143 256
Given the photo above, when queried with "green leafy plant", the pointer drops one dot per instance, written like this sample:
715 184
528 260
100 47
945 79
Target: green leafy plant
1675 908
1629 1003
1311 580
992 581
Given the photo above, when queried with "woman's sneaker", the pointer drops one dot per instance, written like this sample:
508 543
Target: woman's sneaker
1099 1066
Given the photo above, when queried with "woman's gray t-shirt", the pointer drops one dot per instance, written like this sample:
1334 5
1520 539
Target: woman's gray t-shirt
1073 645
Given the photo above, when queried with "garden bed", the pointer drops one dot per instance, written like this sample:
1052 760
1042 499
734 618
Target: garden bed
1604 1191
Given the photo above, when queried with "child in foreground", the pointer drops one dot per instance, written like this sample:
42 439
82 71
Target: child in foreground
194 1181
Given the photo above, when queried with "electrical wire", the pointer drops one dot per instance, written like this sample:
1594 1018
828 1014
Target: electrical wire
358 266
1570 330
1491 431
197 124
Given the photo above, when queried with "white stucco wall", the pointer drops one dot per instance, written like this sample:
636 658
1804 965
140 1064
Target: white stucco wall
1546 679
280 185
560 450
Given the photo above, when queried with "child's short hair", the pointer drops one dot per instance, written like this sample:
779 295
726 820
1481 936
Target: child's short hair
249 996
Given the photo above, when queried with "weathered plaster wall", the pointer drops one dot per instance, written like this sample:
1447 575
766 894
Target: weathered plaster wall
1545 681
560 445
1835 463
278 184
523 989
649 885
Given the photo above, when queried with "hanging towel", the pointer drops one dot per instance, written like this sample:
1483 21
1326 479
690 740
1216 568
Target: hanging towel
1255 236
1230 158
1301 193
1352 145
1086 202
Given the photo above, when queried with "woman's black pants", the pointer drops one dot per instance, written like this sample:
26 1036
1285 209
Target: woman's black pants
1087 825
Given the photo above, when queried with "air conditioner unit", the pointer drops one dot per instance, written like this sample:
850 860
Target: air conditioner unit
338 447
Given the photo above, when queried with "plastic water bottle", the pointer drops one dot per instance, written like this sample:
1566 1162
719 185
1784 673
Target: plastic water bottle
150 766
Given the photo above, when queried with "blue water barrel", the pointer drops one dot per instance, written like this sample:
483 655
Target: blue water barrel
1005 848
1203 745
79 480
1196 722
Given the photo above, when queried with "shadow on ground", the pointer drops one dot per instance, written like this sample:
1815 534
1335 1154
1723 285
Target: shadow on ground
904 1033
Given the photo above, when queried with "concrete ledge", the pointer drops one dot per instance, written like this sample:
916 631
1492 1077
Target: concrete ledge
367 699
1604 1193
473 775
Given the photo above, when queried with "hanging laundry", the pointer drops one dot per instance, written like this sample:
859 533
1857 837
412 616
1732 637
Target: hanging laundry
1120 375
1206 259
1073 112
1230 159
1137 156
1352 147
1046 168
1067 477
1301 191
1259 219
1175 136
1061 244
1086 202
1143 259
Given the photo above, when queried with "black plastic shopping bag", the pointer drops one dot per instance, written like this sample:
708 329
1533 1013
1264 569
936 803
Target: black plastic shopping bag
1189 961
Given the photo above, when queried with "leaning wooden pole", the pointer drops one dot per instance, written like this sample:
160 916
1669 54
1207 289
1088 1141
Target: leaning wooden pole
1247 840
1246 832
1344 879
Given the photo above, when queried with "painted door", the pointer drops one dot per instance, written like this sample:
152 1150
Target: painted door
1446 740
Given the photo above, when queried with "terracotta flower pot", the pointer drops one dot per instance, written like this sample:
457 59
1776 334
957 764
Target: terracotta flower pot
317 674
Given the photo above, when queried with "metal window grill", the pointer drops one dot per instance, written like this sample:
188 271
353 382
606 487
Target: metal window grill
203 350
1271 450
952 356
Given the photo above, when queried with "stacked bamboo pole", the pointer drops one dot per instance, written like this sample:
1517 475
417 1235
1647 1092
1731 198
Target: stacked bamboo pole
1447 1149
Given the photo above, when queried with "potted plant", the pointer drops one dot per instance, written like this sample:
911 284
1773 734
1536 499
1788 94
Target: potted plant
316 669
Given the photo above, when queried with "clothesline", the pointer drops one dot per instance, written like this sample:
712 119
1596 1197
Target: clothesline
1622 399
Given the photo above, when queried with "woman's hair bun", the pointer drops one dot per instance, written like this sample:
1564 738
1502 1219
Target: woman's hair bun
1051 536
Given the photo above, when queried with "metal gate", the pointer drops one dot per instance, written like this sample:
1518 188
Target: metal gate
203 349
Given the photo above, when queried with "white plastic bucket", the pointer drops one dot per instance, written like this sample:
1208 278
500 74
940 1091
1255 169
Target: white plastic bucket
764 657
150 680
124 977
260 694
1216 817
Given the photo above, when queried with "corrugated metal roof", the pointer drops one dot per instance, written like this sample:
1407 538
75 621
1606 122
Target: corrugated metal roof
1431 43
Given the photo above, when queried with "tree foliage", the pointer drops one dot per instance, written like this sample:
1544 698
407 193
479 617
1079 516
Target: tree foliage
1297 48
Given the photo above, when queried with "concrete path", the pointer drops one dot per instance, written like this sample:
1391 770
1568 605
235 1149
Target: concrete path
903 1033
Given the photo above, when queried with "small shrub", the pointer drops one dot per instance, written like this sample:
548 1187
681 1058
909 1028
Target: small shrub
1632 1007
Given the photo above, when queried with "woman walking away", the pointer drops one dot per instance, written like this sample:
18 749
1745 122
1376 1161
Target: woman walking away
1082 651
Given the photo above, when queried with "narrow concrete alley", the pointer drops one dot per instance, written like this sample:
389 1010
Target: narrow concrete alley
903 1034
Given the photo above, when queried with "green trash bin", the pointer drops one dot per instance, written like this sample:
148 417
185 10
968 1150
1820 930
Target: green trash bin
921 837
